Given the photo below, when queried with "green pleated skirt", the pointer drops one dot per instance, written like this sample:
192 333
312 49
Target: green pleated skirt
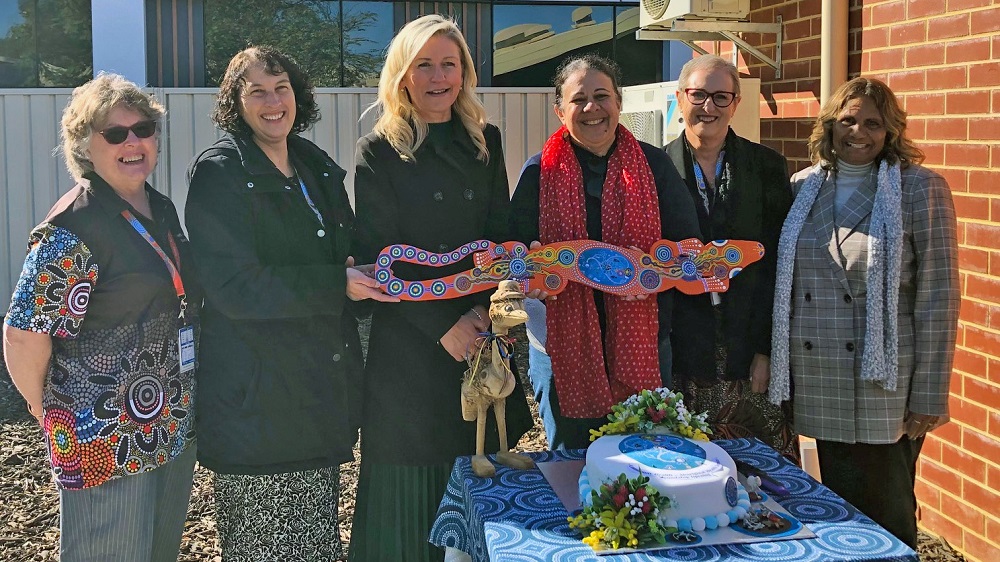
394 512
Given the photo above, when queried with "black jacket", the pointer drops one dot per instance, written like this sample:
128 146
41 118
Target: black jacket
445 199
279 377
758 198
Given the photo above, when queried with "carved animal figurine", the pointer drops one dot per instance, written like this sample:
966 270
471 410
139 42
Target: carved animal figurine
489 381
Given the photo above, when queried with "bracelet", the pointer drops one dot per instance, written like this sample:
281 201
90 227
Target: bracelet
476 312
32 412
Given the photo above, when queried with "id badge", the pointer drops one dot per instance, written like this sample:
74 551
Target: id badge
185 344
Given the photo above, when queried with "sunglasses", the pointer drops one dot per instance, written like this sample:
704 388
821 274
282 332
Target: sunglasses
698 96
118 133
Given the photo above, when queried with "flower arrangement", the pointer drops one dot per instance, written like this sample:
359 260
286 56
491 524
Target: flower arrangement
623 514
654 411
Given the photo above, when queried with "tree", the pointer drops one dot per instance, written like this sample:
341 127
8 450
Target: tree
51 47
311 31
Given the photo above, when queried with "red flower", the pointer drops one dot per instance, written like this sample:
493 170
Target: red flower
619 498
655 415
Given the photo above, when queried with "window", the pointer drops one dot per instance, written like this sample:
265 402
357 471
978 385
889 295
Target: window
337 43
530 41
45 43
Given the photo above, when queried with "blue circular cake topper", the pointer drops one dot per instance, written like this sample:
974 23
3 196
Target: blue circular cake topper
605 266
665 452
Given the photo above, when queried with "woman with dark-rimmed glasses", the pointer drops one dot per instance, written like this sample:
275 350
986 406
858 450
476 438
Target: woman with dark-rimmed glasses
722 342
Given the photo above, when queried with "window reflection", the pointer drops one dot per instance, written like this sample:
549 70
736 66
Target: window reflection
529 42
367 33
45 43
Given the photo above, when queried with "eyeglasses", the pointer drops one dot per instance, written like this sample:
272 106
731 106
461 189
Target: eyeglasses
698 96
118 133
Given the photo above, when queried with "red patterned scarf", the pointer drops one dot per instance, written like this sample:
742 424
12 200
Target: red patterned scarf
630 216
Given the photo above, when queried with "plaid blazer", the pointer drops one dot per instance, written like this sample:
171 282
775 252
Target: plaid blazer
828 320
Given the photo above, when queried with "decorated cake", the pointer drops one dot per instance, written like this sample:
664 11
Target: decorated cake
651 471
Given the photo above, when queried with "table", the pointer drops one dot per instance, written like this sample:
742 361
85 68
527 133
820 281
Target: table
515 516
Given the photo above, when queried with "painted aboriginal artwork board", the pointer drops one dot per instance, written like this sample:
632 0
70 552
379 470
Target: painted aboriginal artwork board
688 266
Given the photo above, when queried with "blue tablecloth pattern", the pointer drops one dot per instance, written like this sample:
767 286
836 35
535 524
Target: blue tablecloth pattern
516 517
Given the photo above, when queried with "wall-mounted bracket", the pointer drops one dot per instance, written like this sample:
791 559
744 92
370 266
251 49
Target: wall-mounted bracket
688 32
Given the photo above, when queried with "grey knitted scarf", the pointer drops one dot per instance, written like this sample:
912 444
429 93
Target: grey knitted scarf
880 360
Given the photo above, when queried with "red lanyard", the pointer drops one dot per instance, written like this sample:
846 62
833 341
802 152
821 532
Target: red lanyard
174 274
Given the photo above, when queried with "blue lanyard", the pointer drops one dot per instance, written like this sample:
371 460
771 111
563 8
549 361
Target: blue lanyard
175 276
319 217
699 177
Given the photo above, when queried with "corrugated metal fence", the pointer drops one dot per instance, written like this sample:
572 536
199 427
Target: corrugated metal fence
33 175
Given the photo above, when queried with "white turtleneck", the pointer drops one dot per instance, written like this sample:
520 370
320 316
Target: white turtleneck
849 177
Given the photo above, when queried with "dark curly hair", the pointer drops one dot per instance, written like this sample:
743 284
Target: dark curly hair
583 62
227 107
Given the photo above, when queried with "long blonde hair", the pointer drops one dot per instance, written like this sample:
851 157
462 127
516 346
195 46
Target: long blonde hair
399 122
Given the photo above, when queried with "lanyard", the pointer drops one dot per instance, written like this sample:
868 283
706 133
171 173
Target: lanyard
175 275
319 217
699 177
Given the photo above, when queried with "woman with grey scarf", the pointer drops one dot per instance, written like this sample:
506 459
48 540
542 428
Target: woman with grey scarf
866 303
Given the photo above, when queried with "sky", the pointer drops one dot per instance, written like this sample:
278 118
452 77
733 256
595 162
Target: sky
9 15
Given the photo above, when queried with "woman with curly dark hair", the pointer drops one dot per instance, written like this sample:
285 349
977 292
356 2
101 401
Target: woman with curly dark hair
270 226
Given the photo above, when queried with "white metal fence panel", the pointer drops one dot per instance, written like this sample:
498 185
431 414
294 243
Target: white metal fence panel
33 176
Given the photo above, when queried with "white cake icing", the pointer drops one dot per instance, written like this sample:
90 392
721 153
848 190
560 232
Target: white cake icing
699 477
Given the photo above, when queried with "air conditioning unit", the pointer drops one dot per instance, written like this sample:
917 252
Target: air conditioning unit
660 13
646 126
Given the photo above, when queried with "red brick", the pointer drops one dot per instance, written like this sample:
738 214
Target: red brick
799 29
924 55
981 340
948 128
941 477
940 525
967 412
886 59
907 33
968 50
948 78
978 548
987 128
967 361
957 178
985 74
906 81
979 443
874 38
962 462
924 104
927 494
968 206
958 5
949 433
993 428
994 321
995 98
922 8
980 496
888 13
984 235
993 477
973 312
969 102
993 529
995 263
985 21
966 515
970 155
946 27
955 381
984 181
933 153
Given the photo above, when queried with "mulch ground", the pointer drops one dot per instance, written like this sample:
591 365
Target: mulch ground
29 504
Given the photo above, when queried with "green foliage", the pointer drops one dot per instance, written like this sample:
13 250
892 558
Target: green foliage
622 514
308 30
51 47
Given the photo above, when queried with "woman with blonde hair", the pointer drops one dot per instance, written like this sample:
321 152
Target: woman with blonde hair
431 175
866 303
99 337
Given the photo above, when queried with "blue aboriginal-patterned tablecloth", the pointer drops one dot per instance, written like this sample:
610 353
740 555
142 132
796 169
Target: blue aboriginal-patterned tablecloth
516 517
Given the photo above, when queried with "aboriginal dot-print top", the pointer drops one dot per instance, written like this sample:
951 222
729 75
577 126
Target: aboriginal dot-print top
115 401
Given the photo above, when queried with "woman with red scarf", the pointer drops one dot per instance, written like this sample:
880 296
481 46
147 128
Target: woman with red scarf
594 180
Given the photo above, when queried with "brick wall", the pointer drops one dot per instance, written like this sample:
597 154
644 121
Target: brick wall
942 58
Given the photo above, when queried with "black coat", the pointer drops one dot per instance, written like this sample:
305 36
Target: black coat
446 198
758 199
279 377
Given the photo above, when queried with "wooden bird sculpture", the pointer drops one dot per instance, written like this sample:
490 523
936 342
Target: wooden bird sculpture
489 380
